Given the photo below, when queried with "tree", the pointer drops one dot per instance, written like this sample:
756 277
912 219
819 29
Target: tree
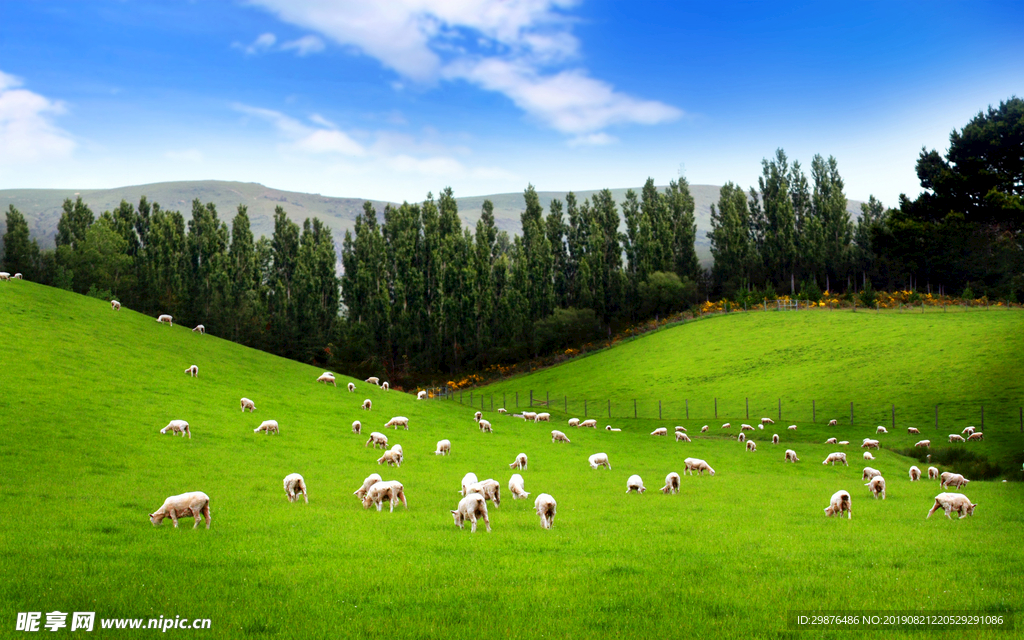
21 253
730 237
779 245
557 230
101 262
208 265
316 289
829 203
537 253
244 279
680 206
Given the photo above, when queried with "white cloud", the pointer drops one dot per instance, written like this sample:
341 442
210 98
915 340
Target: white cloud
264 42
330 141
27 132
304 45
267 42
301 137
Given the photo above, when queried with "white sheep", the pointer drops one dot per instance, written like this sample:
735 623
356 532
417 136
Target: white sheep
422 395
502 410
868 456
877 486
671 483
741 437
373 380
680 436
529 416
293 486
398 421
952 502
751 445
608 427
679 428
444 447
477 416
589 423
726 425
635 485
468 479
977 435
913 430
485 426
351 387
398 449
839 503
195 504
833 423
746 427
115 305
574 422
17 276
915 474
519 462
247 404
870 473
950 479
370 480
698 465
775 438
923 443
367 404
472 508
661 431
165 318
174 427
516 487
791 456
765 421
558 436
968 430
391 458
933 473
835 457
542 417
870 444
792 427
392 491
545 506
832 441
193 371
599 460
489 489
268 426
200 329
357 427
704 429
377 439
4 275
385 386
327 378
844 442
881 429
955 438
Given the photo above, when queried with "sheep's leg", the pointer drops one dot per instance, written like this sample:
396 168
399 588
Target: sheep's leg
198 515
206 514
174 518
473 520
948 509
934 508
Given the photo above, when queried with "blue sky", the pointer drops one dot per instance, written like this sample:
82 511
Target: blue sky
390 100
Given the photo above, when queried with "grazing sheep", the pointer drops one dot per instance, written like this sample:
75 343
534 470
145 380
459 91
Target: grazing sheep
955 438
950 479
775 438
913 430
422 395
791 456
833 423
792 427
726 425
831 441
751 445
680 436
678 429
968 430
489 489
293 486
529 416
502 410
268 426
746 427
877 486
165 318
372 380
385 386
608 427
516 487
881 429
200 329
371 480
115 305
367 404
844 442
558 436
767 421
868 456
952 502
977 435
351 387
542 417
545 507
5 275
671 483
870 473
698 465
398 421
195 504
357 427
661 431
444 447
378 439
485 426
247 404
915 474
835 457
392 458
468 479
174 427
574 422
193 371
519 462
704 429
327 378
741 438
599 460
392 491
17 276
870 444
923 443
839 503
635 484
471 508
589 423
477 416
933 473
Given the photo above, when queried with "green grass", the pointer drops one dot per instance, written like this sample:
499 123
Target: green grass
82 464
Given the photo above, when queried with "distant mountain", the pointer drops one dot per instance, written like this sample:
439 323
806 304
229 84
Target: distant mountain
42 207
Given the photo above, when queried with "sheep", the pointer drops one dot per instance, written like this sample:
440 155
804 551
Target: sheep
792 427
558 436
398 421
839 503
195 504
933 473
671 483
977 435
174 427
193 371
831 441
791 456
923 443
5 275
765 421
293 486
835 457
351 387
378 439
515 487
545 507
542 417
385 386
444 447
833 423
165 318
391 490
608 427
519 462
599 460
485 426
367 405
574 422
468 479
751 446
870 473
592 424
268 426
680 436
950 479
471 508
955 438
489 489
915 474
357 427
529 416
247 404
422 395
913 430
870 444
741 438
877 486
398 450
661 431
698 465
952 502
502 410
477 416
635 484
726 425
746 427
968 430
391 458
775 438
17 276
868 456
678 429
843 442
370 480
881 429
200 329
327 378
372 380
704 429
115 305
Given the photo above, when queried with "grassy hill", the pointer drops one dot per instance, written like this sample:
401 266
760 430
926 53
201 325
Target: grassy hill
87 389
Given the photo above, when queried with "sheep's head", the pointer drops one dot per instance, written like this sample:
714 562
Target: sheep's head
457 516
157 518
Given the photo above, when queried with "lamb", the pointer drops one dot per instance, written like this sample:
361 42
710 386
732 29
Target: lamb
373 380
746 427
542 417
166 318
791 456
933 473
502 410
545 507
870 444
351 387
741 438
915 474
881 429
529 416
968 430
765 421
195 504
519 462
193 371
200 329
868 456
174 427
608 427
698 465
870 473
468 479
923 443
401 454
371 480
268 426
635 484
977 435
357 427
378 439
477 416
950 479
444 447
913 430
671 483
775 438
247 404
600 460
391 458
367 405
485 426
833 423
422 395
751 446
115 305
398 421
840 502
792 427
574 422
558 436
833 458
680 436
391 490
704 429
877 486
678 429
515 487
471 508
955 438
384 386
489 489
726 425
661 431
831 441
952 502
327 378
293 486
589 423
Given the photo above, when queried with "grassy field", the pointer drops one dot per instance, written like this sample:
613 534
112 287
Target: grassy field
82 463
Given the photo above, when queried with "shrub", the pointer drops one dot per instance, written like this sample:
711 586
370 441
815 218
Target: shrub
867 296
810 291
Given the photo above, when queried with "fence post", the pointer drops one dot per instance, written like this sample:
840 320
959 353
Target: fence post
780 409
982 417
716 408
609 408
584 408
659 409
634 408
531 398
893 417
748 408
851 413
687 409
814 411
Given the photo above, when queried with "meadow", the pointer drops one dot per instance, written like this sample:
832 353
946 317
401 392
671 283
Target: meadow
87 389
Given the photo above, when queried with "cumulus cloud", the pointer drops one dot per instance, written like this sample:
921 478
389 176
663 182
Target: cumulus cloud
27 131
